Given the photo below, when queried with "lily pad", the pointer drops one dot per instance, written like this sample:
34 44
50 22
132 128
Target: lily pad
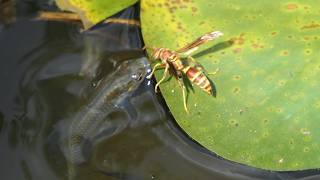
93 11
266 110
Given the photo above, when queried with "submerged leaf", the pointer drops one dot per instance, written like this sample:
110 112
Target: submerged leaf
266 110
92 12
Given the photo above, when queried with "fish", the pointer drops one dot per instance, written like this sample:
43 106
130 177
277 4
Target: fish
110 92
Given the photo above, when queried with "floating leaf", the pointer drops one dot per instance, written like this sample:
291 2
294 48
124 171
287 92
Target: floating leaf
266 110
94 11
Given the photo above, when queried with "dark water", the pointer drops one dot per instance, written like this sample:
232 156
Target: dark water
50 72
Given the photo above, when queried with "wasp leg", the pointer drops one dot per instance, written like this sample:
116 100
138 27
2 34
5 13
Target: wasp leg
184 96
155 67
163 77
201 68
214 72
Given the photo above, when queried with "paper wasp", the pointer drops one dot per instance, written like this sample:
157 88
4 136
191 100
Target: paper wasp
173 59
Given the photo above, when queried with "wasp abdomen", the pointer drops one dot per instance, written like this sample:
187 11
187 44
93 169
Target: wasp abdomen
198 78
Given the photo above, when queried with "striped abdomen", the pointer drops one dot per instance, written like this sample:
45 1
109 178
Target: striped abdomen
198 78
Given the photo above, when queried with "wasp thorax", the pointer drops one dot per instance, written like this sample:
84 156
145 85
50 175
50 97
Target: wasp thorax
162 53
166 54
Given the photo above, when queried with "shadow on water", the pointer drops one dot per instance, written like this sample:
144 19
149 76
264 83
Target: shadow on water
54 72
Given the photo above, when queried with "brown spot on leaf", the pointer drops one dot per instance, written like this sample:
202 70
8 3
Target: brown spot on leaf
256 45
313 25
273 33
239 40
236 77
284 53
194 9
202 22
307 51
236 50
236 90
291 6
174 5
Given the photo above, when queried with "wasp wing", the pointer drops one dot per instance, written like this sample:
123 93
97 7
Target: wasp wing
193 46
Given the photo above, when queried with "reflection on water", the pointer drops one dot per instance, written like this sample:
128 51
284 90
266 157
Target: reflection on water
46 82
7 12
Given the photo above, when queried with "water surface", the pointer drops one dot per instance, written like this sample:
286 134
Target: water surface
50 72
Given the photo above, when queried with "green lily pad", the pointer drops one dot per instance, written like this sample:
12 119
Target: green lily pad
267 105
93 11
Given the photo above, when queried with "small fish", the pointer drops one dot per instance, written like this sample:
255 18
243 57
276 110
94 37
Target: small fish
110 92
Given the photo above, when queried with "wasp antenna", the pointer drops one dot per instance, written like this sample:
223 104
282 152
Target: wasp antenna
147 47
144 48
